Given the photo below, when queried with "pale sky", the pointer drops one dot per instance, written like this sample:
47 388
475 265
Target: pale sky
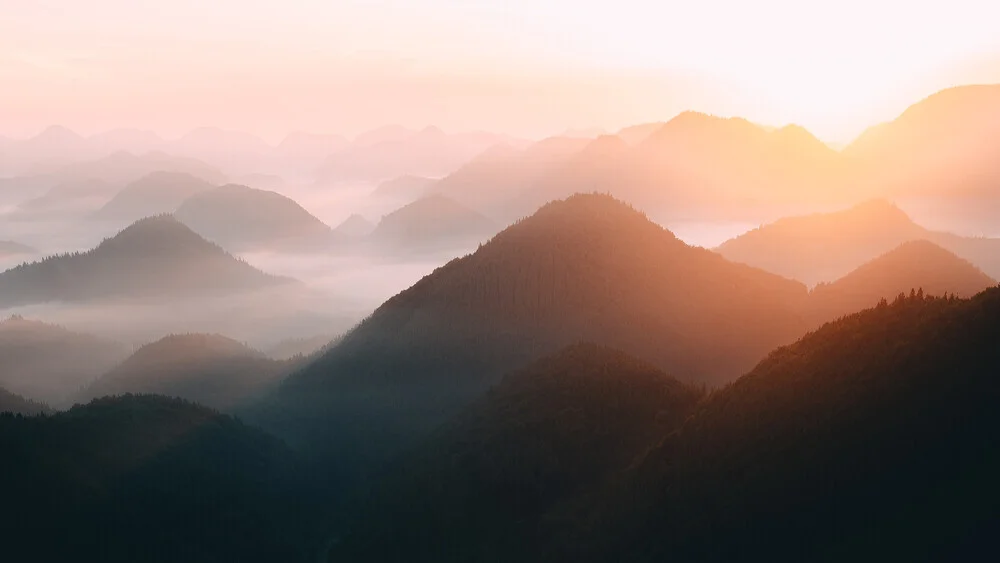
525 67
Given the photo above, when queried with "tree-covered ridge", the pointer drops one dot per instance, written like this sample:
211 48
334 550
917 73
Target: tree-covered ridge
16 404
871 438
547 434
152 479
154 257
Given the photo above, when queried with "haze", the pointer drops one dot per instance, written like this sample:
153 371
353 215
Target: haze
522 68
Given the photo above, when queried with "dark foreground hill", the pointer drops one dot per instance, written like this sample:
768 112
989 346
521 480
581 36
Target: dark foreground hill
547 434
588 268
240 218
208 369
49 363
870 439
153 257
145 478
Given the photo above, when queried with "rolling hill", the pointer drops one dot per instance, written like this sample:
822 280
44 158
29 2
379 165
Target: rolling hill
239 218
154 257
404 188
869 439
826 246
16 404
152 479
154 194
431 223
49 363
355 227
588 268
919 265
208 369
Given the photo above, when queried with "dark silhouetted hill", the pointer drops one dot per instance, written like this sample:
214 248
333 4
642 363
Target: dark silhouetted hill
49 363
589 268
430 223
145 478
548 433
16 404
157 193
153 257
913 265
240 218
826 246
869 439
207 369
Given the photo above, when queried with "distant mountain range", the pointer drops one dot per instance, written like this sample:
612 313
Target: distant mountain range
208 369
11 248
404 188
154 257
49 363
825 246
355 227
16 404
241 218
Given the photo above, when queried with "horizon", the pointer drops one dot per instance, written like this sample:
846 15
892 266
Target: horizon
535 71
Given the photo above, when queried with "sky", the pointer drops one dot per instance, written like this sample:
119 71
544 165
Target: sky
525 67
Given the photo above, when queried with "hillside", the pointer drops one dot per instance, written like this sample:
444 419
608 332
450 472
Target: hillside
913 265
239 218
823 247
405 188
156 193
50 364
547 433
432 222
72 197
208 369
153 257
152 479
588 268
870 439
354 227
16 404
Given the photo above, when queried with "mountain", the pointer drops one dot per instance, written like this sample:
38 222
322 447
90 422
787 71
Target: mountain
11 248
122 167
869 439
429 152
207 369
636 134
408 188
241 218
153 257
72 197
159 192
588 268
546 434
16 404
136 141
823 247
918 264
497 179
49 363
354 227
430 223
152 479
292 347
940 152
